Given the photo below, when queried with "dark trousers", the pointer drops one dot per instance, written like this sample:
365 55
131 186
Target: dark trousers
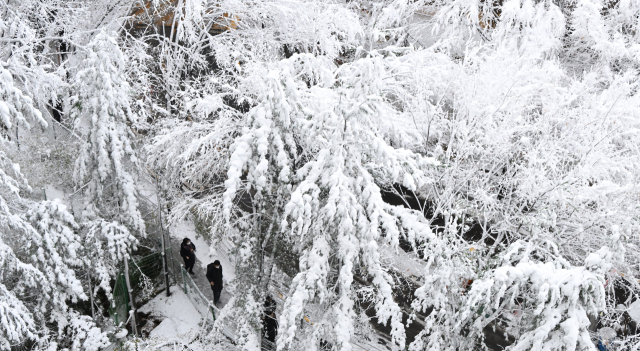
189 263
216 294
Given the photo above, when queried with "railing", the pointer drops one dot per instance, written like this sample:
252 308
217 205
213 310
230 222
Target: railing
59 131
197 298
142 273
209 312
205 306
62 132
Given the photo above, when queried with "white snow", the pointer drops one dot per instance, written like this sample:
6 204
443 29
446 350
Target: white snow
121 334
494 115
52 193
407 263
147 190
607 333
205 254
634 311
180 318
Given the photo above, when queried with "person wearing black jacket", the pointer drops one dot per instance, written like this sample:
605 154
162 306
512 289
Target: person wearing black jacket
214 275
187 251
270 327
269 320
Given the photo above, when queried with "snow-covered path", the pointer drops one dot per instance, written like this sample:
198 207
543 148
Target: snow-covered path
204 256
179 328
179 317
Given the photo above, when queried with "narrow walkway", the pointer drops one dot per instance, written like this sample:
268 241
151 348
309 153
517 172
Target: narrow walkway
203 257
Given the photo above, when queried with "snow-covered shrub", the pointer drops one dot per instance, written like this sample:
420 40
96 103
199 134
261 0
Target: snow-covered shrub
106 244
553 299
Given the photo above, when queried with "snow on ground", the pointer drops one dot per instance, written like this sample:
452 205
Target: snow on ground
634 311
407 263
179 318
53 193
205 254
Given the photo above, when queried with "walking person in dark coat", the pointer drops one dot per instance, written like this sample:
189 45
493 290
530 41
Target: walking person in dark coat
270 327
214 275
270 322
187 251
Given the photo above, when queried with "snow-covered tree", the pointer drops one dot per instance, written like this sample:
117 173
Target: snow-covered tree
528 147
336 215
508 129
39 251
20 323
524 141
101 107
56 250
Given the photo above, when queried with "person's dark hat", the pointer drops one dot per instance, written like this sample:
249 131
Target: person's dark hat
184 241
216 263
